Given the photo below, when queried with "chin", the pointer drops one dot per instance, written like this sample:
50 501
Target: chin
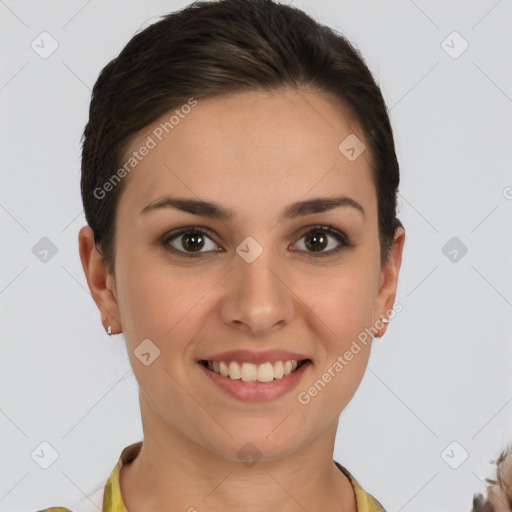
257 446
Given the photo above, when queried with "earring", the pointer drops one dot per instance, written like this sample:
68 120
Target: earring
109 329
384 320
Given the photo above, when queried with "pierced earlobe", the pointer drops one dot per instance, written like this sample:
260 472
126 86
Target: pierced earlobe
384 320
109 328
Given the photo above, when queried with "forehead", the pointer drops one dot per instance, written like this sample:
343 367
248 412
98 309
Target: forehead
250 147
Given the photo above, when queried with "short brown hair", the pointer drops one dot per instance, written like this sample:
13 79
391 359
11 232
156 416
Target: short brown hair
215 48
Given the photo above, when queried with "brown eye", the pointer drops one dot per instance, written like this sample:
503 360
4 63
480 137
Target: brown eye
192 241
318 239
189 241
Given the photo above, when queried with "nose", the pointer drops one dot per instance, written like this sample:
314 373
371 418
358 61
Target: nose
258 298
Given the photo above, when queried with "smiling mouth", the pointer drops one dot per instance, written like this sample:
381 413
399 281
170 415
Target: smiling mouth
249 372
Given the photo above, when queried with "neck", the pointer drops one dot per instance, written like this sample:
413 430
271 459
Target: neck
172 468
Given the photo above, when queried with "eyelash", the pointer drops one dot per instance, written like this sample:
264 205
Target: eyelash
338 235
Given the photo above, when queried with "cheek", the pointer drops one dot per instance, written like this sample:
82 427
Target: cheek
155 297
344 300
333 384
343 304
157 304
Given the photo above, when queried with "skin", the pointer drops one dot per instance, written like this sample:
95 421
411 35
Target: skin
254 153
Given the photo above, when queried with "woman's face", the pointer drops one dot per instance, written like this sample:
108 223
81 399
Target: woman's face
258 280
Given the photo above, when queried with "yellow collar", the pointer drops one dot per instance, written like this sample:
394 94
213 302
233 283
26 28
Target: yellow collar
113 501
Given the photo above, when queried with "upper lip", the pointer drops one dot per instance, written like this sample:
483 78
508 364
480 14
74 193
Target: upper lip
249 356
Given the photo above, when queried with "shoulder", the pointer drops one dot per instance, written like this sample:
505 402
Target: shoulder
55 509
365 501
373 505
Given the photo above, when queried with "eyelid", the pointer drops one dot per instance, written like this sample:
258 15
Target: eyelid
340 236
173 234
336 233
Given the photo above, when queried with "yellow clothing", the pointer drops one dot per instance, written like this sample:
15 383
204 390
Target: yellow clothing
113 501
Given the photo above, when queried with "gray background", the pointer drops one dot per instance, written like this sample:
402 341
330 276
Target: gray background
441 374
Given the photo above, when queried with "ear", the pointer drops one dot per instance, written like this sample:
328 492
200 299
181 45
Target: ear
101 283
389 277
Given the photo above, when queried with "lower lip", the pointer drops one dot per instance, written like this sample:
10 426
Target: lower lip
257 391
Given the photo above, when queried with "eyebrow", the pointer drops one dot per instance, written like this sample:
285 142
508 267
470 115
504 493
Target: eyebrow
214 210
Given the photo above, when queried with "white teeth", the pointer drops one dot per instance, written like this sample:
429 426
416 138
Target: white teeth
234 371
278 370
265 373
223 368
249 372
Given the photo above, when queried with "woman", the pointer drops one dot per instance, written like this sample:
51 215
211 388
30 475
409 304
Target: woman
239 181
